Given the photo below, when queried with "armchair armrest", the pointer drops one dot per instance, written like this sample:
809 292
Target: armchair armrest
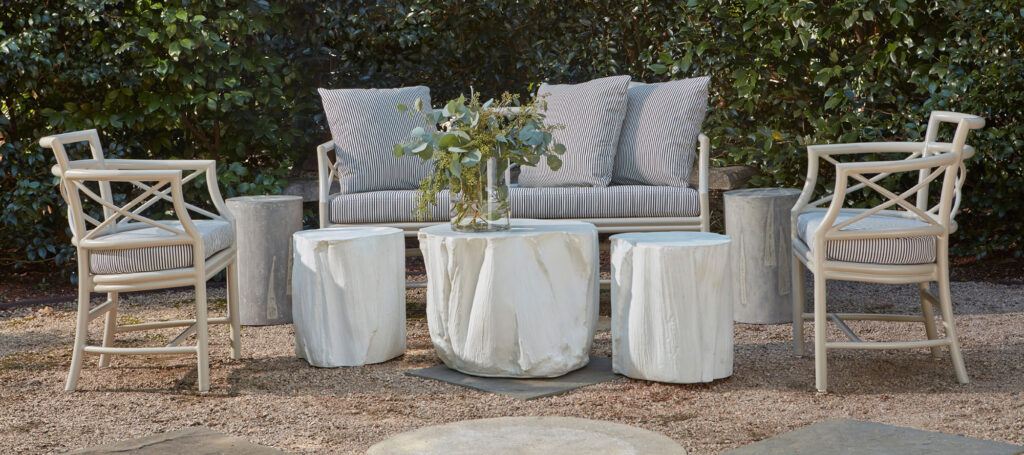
153 181
198 167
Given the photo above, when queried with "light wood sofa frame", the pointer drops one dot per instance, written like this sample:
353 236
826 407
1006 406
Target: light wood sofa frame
932 161
160 180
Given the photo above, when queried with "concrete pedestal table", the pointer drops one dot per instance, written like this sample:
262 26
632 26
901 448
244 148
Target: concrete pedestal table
672 306
757 221
264 226
520 303
349 290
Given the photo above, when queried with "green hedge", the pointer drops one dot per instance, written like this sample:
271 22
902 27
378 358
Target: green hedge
236 81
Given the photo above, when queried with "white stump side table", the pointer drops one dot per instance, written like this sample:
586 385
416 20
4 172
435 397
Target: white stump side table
672 306
757 221
348 286
263 228
520 303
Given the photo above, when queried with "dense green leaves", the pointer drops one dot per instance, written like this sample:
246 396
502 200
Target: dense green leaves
235 81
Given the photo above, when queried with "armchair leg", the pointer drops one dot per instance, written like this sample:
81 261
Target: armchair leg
81 337
202 336
109 328
820 336
799 302
929 317
236 323
946 305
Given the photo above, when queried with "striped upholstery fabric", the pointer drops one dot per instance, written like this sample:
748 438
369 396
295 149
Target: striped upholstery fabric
888 251
383 207
592 113
217 235
658 141
365 126
569 202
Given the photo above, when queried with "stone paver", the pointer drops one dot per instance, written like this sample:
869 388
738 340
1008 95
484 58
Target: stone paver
528 436
853 437
194 441
598 370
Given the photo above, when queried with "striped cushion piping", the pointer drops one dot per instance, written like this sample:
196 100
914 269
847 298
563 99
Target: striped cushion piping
592 113
657 144
365 126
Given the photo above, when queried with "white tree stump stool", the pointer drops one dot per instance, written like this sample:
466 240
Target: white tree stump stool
348 288
671 306
263 228
520 303
757 221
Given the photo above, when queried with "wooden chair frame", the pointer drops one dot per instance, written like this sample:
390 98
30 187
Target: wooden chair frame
160 180
934 162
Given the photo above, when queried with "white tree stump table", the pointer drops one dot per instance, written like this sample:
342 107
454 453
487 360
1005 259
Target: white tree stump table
348 289
520 303
263 228
672 306
757 221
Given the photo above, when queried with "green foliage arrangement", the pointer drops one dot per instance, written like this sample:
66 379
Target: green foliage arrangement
236 81
469 135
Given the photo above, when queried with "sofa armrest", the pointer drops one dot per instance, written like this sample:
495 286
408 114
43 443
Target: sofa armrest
703 171
327 173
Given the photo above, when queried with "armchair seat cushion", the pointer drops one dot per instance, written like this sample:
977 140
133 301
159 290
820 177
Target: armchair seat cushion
886 251
217 235
625 201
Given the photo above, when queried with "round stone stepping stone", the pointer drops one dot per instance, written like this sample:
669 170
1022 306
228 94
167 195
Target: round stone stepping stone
528 435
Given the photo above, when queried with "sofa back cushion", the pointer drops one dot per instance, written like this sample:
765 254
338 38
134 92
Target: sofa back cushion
592 113
365 125
657 145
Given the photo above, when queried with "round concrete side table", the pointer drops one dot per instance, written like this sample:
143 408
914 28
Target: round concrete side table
520 303
671 306
349 291
757 220
263 228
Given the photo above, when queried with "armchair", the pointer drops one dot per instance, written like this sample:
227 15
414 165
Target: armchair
894 242
124 250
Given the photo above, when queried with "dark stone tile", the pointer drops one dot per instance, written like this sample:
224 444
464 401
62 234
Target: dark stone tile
854 437
194 440
598 370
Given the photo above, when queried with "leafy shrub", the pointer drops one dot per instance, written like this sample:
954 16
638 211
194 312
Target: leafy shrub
235 81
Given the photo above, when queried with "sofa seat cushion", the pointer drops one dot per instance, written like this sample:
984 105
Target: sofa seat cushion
626 201
886 251
217 235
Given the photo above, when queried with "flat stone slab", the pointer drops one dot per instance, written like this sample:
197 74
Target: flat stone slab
854 437
194 441
598 370
527 436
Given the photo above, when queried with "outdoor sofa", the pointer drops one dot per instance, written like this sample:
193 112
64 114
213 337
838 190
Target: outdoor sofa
614 208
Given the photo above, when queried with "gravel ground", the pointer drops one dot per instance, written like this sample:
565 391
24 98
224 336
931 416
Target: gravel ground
271 398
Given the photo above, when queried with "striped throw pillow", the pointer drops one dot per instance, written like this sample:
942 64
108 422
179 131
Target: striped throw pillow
592 113
365 126
658 142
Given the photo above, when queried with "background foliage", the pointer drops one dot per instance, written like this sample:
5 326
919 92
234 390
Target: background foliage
236 80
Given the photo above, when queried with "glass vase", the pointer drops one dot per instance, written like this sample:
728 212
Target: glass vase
483 206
